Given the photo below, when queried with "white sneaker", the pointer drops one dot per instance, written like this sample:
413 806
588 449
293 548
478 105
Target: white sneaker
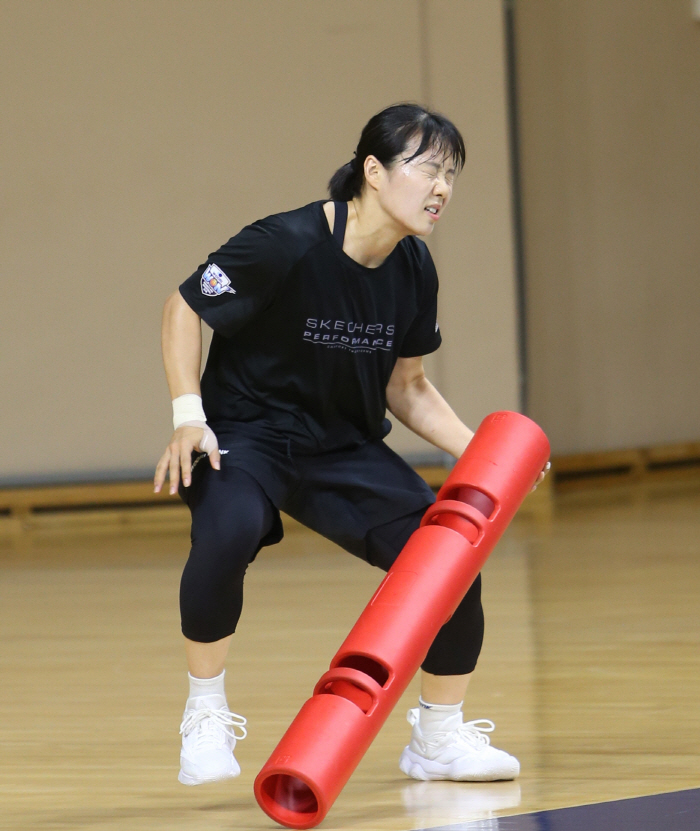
208 738
462 753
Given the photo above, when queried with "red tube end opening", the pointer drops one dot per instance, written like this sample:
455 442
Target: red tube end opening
289 801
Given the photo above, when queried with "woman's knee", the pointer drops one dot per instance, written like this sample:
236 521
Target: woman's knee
230 517
211 587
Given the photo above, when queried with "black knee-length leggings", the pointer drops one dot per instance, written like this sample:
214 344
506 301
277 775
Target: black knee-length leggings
232 518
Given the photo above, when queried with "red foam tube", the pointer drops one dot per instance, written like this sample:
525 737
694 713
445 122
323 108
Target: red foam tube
328 738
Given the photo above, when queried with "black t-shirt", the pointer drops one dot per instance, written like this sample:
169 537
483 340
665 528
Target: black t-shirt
305 338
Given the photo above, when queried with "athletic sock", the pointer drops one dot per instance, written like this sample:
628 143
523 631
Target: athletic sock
207 686
437 718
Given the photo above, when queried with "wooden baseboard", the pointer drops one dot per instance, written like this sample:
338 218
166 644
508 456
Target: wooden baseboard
128 506
132 505
579 470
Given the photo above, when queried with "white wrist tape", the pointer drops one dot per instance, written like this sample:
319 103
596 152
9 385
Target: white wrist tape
187 407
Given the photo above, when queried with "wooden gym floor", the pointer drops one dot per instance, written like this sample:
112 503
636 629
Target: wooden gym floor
591 670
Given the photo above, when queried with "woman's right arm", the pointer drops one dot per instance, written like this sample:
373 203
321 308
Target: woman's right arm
182 356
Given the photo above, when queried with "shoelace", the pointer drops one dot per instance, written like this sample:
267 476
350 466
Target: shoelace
209 720
473 733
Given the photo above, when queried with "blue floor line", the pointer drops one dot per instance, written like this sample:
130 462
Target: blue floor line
676 811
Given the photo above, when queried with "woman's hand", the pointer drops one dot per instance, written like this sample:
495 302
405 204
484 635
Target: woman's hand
192 435
540 478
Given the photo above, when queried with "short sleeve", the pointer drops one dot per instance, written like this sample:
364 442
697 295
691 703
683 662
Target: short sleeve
239 280
423 335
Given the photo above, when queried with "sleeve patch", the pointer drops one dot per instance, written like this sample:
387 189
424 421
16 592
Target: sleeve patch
214 282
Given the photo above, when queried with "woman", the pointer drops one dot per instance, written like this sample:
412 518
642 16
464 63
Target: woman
321 317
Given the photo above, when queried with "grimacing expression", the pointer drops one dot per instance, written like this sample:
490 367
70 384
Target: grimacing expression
416 192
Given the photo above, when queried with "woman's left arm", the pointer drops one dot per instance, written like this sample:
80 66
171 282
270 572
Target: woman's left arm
419 406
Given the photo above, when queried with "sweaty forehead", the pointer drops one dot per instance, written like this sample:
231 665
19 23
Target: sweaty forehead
435 160
435 157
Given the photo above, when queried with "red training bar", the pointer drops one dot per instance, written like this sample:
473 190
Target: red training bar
325 742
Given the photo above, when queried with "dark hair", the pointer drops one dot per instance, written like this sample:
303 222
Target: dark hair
387 134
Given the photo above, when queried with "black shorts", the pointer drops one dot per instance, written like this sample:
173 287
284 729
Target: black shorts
365 498
341 494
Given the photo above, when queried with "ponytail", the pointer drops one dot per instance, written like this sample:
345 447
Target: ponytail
346 184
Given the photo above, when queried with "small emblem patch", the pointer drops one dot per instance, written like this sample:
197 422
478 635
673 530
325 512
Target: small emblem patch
215 282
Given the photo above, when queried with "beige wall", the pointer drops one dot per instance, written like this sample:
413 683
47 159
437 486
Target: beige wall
137 137
609 101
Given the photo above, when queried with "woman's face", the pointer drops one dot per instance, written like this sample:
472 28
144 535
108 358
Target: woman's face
416 193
